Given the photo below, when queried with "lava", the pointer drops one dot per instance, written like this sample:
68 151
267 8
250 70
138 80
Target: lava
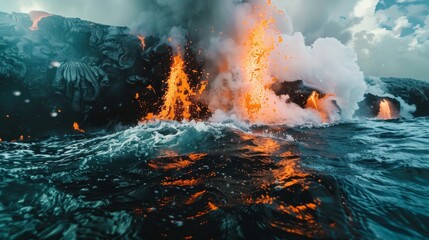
142 40
258 46
77 128
316 102
177 98
386 110
36 16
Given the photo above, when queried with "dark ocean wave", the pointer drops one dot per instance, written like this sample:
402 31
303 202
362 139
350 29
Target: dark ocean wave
363 179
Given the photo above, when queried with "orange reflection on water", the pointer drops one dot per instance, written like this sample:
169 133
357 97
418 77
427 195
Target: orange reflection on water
194 197
181 183
259 146
170 161
286 176
212 206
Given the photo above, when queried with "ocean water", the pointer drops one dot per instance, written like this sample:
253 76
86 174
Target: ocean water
365 179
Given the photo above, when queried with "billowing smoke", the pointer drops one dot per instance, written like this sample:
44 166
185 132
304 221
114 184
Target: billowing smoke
249 46
199 20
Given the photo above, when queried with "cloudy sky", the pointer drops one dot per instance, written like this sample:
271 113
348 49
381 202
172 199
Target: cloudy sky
391 37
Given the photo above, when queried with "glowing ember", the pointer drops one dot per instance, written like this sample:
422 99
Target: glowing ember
177 98
212 206
77 128
142 42
386 110
36 16
317 103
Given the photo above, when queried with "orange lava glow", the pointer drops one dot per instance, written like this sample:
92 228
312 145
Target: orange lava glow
142 41
77 128
213 207
194 197
260 146
316 102
176 163
181 183
258 46
177 98
36 16
386 110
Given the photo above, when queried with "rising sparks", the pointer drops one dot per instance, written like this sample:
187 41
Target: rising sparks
257 49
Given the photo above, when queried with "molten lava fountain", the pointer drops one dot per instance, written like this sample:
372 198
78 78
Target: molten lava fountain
386 112
316 102
259 43
177 98
259 46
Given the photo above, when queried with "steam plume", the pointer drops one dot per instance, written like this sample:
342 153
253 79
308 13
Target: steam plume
224 29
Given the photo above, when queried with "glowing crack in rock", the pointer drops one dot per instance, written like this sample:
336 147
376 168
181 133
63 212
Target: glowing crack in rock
36 16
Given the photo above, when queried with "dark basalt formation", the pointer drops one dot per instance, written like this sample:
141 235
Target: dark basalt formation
70 70
370 107
413 92
297 91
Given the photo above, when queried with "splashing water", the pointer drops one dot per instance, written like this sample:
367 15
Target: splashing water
220 180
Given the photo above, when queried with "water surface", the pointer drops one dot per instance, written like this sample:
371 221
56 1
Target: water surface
363 179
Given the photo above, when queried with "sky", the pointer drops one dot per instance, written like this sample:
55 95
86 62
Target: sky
390 37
